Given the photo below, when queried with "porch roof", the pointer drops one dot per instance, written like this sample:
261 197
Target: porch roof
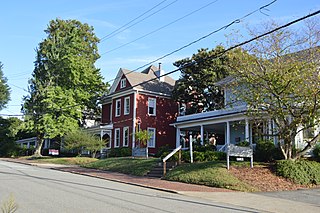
212 115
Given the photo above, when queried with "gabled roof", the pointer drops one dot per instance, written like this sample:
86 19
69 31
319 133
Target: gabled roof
136 80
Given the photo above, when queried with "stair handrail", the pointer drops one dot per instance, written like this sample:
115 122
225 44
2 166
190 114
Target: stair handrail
169 156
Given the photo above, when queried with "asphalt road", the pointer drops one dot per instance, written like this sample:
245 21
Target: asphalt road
38 189
311 196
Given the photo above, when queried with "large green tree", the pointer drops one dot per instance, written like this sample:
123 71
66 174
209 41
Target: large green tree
4 89
11 129
65 85
279 80
196 85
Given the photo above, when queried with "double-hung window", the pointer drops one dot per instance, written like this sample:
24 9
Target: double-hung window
117 137
123 83
125 136
152 106
126 106
118 107
152 139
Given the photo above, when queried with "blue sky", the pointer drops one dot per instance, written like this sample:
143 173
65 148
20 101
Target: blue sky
23 23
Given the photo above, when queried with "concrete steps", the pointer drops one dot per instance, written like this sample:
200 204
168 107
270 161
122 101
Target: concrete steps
157 171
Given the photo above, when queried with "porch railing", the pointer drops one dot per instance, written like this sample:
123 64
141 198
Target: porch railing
164 160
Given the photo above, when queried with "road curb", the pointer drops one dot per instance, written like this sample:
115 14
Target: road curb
95 176
119 181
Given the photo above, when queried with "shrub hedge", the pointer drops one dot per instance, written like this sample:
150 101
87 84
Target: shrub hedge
120 152
300 171
316 152
266 151
197 156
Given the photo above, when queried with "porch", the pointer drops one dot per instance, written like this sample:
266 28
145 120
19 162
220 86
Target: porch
219 128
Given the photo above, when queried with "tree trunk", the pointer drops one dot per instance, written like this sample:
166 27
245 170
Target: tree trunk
309 145
37 152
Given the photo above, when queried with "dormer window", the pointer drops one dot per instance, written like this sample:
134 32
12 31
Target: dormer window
123 83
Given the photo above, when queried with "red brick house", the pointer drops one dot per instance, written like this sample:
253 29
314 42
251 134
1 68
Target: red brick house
132 105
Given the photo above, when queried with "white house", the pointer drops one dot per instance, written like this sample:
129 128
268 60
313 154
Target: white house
230 125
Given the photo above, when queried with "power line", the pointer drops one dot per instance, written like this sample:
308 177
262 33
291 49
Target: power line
160 28
234 47
18 87
236 21
125 26
213 56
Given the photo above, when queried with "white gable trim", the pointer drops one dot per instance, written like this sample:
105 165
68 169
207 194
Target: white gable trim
116 81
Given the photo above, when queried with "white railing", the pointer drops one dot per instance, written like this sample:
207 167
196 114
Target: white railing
164 160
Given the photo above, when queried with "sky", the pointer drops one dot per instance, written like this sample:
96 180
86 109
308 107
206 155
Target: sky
155 29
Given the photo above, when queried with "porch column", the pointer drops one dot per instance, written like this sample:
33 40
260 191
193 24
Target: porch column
275 141
228 133
201 132
191 148
247 133
269 129
178 132
101 135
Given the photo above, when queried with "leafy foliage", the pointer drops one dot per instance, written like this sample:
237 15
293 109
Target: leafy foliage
301 171
4 89
80 139
198 156
209 174
196 85
266 151
65 84
120 152
11 129
142 136
279 79
316 152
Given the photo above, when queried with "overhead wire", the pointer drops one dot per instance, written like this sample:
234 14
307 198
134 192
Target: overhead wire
160 28
232 47
125 26
236 21
221 52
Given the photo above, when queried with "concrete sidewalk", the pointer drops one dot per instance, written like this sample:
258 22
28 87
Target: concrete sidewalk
259 202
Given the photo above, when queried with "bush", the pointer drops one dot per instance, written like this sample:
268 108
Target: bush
203 156
9 149
266 151
316 152
301 171
120 152
162 150
197 156
243 143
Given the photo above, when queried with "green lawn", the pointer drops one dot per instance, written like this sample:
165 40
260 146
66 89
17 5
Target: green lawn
126 165
210 174
64 161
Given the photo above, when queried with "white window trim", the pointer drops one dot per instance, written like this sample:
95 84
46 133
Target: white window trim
123 83
126 101
154 138
124 136
116 111
115 137
155 106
